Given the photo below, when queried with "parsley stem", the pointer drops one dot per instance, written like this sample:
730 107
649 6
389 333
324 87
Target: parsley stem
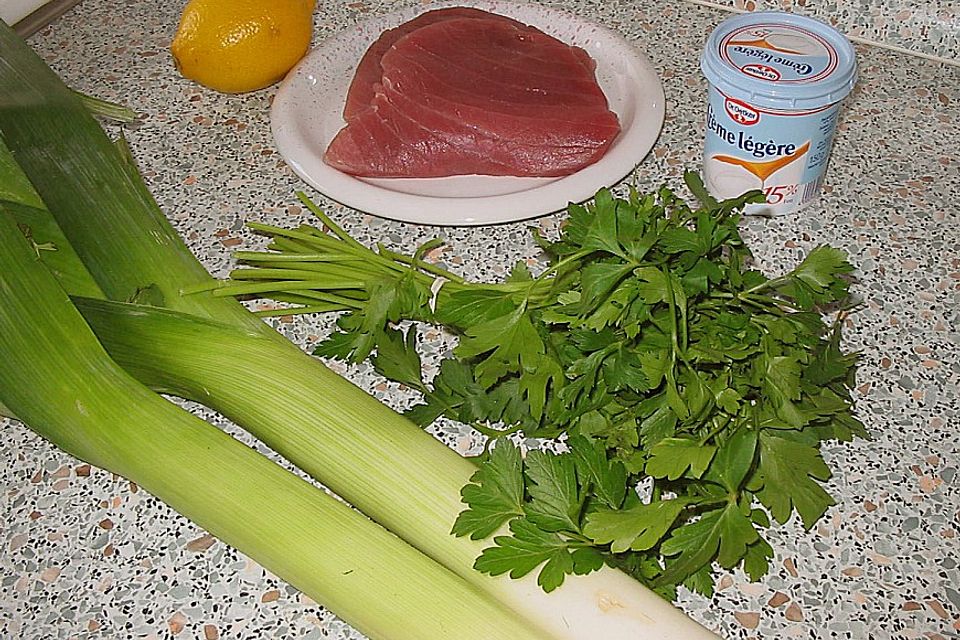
719 425
294 247
292 311
676 351
573 257
776 304
769 284
328 222
279 232
310 239
308 298
249 288
764 303
266 256
287 273
420 264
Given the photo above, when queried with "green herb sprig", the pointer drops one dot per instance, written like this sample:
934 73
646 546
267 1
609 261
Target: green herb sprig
689 393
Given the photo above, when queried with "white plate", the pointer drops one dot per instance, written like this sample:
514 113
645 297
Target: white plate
306 114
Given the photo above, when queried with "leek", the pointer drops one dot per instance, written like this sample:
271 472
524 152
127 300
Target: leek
171 351
226 358
58 379
107 110
18 198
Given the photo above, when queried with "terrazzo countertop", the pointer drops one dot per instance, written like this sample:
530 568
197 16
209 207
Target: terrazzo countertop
87 555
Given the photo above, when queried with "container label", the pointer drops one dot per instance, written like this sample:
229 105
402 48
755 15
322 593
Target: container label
740 112
779 53
782 153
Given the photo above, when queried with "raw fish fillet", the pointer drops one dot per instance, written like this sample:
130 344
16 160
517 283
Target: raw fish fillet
360 94
473 95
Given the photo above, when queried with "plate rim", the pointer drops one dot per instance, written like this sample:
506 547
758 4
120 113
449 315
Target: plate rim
516 206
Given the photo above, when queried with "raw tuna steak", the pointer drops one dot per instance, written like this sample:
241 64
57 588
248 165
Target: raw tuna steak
360 94
473 95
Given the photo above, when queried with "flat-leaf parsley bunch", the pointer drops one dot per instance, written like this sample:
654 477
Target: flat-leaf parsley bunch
688 393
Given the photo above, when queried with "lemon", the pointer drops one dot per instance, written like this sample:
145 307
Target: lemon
234 46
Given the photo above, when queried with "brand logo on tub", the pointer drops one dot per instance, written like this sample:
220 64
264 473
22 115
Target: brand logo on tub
741 112
761 71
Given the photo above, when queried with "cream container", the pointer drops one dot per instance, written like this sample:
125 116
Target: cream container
776 81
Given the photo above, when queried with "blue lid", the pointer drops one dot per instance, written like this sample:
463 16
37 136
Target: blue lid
779 60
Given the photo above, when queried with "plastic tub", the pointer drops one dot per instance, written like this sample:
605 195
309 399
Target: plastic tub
776 81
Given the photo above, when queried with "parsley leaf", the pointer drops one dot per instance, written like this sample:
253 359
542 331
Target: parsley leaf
555 494
526 549
829 363
638 527
494 495
734 459
786 479
397 357
816 281
674 457
470 307
508 342
607 479
779 377
724 533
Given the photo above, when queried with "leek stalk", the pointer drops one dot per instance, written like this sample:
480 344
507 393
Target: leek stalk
229 360
289 407
58 379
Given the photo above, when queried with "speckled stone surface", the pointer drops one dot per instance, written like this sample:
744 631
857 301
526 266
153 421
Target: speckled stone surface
86 555
928 27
